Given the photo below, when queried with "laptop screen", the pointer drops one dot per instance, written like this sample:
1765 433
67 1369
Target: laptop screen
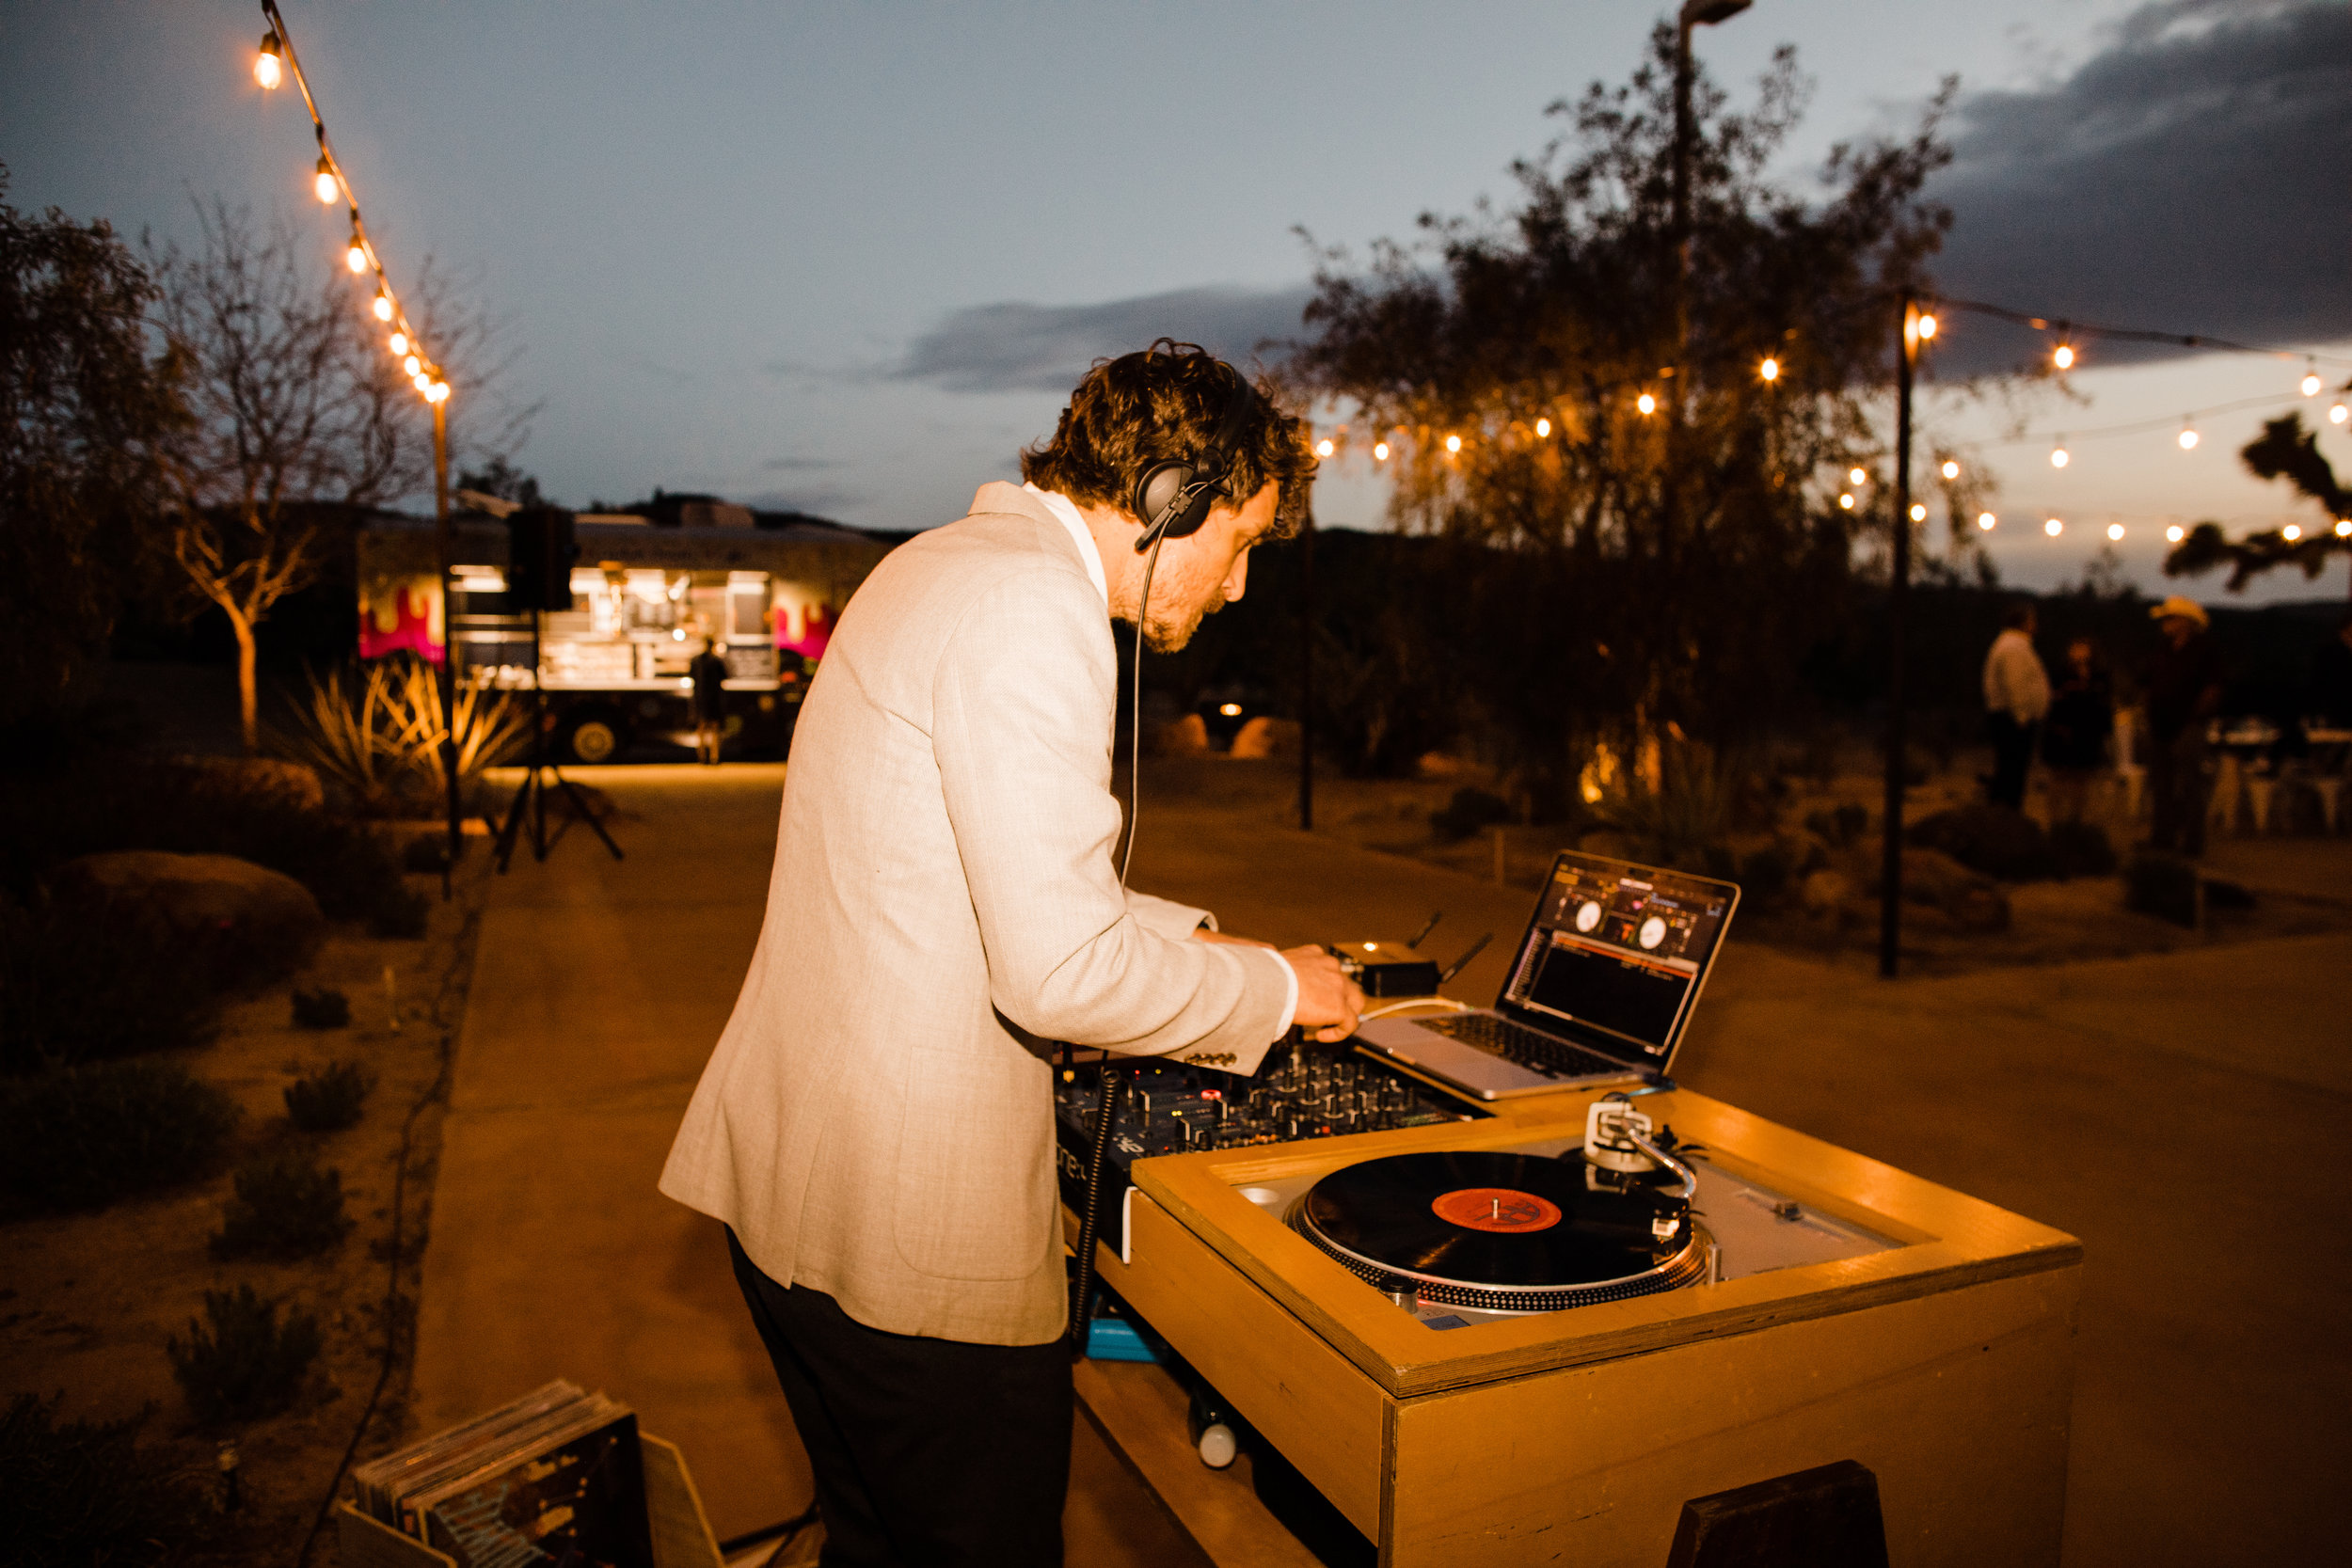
1617 954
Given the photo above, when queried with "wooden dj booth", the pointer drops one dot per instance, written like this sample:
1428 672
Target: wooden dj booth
1940 1359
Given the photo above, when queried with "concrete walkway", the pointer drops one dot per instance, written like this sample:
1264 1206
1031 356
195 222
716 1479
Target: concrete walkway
2180 1114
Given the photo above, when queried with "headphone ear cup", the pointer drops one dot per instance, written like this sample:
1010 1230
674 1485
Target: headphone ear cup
1157 490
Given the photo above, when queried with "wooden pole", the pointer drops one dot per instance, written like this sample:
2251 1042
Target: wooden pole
1306 674
449 643
1898 586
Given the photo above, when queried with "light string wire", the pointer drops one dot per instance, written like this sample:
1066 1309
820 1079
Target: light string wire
426 367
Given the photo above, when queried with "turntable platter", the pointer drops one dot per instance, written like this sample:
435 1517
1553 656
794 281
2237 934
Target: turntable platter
1500 1232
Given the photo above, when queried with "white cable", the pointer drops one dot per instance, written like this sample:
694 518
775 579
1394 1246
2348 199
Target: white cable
1446 1002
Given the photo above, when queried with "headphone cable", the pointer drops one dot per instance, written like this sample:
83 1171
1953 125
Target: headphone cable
1134 726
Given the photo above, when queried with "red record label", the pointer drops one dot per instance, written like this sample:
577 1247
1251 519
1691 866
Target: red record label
1497 1209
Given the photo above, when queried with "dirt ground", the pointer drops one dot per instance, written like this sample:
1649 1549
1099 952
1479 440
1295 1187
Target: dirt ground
90 1301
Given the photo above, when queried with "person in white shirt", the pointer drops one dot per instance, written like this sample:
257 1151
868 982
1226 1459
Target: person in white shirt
2016 695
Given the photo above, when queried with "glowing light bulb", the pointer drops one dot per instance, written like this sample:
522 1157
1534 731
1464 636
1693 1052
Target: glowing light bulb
1918 512
1452 444
268 69
383 305
357 256
2176 533
1927 327
2062 357
423 382
439 392
2058 457
1543 429
1646 403
1951 469
2311 383
2343 527
323 182
1985 521
2054 528
2115 533
1855 476
2189 438
2291 532
1846 501
412 365
2337 414
1380 451
400 342
1323 448
1770 369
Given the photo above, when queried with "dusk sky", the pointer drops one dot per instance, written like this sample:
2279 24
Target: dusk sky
849 258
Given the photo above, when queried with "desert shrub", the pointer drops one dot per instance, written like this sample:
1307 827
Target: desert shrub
81 1493
242 1364
324 1008
79 1138
329 1100
96 986
2082 849
285 1208
1682 819
399 911
1992 839
1466 814
1840 827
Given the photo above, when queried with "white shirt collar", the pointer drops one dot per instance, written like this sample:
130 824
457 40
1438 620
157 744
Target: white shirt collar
1066 513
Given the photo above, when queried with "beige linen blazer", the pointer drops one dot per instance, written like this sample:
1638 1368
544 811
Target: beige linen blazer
876 1121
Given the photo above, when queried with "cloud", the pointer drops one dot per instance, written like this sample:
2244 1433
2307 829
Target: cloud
996 348
2189 178
797 465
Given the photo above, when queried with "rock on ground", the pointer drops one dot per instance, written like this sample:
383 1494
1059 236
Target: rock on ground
260 919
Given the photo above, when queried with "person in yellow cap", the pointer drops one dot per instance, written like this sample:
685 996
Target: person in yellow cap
2183 683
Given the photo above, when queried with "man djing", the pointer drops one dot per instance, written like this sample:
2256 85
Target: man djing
875 1127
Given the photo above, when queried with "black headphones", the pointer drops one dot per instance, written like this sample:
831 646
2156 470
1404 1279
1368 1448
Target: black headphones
1173 499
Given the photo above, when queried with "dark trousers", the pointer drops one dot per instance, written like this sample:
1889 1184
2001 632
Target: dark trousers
2176 789
928 1453
2012 755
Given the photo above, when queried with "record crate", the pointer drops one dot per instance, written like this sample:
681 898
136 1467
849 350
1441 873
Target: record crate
681 1530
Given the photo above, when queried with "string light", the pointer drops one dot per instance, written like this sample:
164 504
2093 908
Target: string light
2176 533
438 391
1646 403
2188 436
1770 369
1918 512
2115 533
2337 414
413 365
1927 327
268 69
2292 533
1453 445
383 305
1380 451
1855 476
357 256
400 342
1323 448
2343 527
323 182
1543 429
2054 528
1985 521
2311 382
2057 455
2063 356
1951 469
1846 501
423 382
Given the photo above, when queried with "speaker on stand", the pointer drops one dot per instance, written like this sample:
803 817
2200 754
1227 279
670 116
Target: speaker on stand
540 551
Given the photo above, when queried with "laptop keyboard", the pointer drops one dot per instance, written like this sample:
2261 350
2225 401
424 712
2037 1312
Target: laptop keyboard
1518 1044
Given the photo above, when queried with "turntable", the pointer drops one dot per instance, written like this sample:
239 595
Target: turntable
1533 1337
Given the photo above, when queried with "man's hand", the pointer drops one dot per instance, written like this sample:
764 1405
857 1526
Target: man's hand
1329 1001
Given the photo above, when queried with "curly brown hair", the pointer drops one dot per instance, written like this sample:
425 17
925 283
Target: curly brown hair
1161 406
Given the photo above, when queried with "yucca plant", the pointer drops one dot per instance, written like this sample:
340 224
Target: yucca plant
1679 813
349 725
492 726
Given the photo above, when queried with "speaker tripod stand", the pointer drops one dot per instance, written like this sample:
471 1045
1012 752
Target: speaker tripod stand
531 796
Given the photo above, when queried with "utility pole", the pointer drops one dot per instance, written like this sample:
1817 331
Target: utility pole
1898 589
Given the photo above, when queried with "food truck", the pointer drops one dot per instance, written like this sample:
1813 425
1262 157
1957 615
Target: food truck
644 599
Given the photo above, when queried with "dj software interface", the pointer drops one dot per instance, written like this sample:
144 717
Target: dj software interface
1618 951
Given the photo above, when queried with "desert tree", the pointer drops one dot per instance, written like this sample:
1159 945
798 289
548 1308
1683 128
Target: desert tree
85 399
1645 527
297 417
2284 450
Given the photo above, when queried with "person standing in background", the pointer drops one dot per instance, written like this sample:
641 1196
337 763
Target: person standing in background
2184 687
2016 695
2074 737
709 672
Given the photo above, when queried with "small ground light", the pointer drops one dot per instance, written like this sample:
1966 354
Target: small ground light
1846 501
2189 438
2054 528
2058 457
2292 533
1918 512
1380 451
2115 532
2062 357
1452 443
1323 447
1646 403
2176 533
1543 428
1985 521
268 69
1951 469
1770 369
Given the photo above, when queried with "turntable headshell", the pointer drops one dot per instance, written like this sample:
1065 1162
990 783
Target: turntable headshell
1621 1142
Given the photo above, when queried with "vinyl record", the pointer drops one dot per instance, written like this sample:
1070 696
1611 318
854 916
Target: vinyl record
1503 1232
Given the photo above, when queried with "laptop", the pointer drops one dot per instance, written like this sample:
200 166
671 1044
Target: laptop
1600 991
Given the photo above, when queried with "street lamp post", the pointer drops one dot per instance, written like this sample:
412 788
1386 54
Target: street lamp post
449 643
1898 589
1694 14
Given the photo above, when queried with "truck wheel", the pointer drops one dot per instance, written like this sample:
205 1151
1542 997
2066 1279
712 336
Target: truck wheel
592 740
